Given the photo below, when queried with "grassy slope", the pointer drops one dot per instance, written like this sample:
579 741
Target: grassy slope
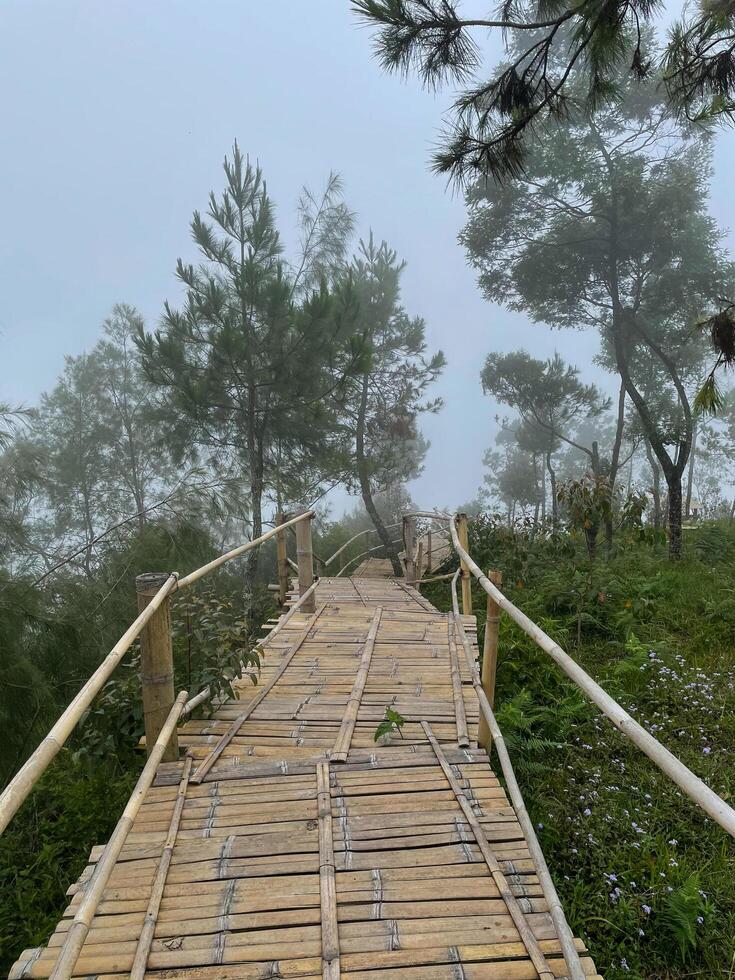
645 878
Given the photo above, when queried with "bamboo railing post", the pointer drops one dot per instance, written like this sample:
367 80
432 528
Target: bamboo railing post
409 546
156 664
466 577
282 560
428 550
305 561
490 658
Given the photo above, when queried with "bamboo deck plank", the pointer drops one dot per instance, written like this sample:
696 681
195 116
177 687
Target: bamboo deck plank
268 860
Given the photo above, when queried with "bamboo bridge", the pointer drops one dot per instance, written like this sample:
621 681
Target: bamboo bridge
276 839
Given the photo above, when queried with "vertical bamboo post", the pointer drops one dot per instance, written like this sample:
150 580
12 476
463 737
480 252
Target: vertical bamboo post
419 561
305 562
409 546
428 551
156 664
282 560
466 578
490 658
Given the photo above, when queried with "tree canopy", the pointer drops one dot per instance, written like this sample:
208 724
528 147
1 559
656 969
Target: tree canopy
563 56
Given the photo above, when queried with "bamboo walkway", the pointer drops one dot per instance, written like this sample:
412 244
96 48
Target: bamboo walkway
287 844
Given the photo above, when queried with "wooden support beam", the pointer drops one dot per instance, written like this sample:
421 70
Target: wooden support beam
409 547
490 657
349 720
466 578
282 561
540 963
460 717
156 663
305 562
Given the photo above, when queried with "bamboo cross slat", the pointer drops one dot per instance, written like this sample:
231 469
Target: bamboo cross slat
344 738
151 916
237 724
327 877
517 914
463 738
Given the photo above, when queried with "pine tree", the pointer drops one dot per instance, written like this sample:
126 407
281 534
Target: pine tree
379 405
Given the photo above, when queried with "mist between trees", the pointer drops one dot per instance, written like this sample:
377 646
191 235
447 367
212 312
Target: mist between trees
284 369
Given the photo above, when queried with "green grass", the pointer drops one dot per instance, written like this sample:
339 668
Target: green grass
645 877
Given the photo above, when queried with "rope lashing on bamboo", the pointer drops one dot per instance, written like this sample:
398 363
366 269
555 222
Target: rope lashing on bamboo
684 778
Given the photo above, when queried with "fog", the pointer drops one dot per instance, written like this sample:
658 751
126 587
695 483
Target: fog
116 117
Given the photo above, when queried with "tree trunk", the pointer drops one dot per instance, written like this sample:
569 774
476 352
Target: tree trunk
543 495
624 323
690 472
554 501
255 460
614 466
536 487
256 510
675 517
656 488
363 472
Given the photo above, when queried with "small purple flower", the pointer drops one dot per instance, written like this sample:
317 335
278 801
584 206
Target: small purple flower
646 909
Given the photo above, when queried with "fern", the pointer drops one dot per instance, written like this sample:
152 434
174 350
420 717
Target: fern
682 912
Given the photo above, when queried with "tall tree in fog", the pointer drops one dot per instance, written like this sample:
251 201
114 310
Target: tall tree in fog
380 405
101 438
609 229
548 395
138 461
245 360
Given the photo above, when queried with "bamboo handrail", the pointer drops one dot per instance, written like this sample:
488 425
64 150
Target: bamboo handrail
684 778
368 530
563 932
194 576
75 937
28 775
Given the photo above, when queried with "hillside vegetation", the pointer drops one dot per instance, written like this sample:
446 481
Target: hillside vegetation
646 879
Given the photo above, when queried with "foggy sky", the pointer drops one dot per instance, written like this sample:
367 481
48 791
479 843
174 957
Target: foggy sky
116 115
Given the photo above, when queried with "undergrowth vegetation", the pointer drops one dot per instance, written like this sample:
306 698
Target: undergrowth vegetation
58 637
646 878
